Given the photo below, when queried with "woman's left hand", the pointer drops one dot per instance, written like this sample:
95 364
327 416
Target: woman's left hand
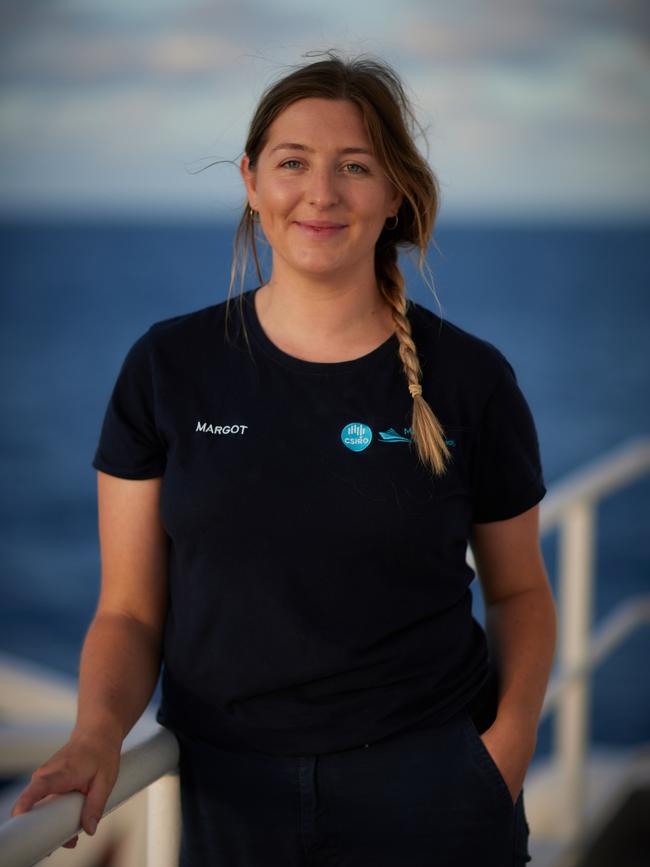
512 747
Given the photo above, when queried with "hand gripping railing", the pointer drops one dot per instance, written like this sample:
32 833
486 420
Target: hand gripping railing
28 838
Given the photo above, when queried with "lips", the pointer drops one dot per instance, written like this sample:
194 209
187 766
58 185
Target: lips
320 229
320 224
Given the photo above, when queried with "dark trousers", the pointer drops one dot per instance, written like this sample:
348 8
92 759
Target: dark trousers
431 797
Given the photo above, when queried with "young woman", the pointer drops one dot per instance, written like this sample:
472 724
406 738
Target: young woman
287 486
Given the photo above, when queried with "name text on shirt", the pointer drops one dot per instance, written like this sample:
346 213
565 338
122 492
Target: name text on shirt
204 427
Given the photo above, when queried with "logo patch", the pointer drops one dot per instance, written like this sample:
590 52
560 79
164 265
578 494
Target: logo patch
391 436
356 436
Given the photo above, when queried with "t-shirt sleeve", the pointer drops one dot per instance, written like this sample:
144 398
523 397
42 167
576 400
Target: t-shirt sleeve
507 469
130 445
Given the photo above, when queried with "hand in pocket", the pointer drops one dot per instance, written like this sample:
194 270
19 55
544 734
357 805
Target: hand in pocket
511 751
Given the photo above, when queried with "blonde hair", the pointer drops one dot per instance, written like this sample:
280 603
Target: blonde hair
376 89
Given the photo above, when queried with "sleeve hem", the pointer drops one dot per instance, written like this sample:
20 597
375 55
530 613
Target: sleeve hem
152 472
529 498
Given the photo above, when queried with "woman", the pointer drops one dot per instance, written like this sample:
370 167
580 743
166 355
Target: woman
286 490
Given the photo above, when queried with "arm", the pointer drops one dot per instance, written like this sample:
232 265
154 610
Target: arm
521 627
120 659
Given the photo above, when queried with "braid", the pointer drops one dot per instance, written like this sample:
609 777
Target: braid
426 430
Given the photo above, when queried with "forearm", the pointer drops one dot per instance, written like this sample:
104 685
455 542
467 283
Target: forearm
522 633
119 667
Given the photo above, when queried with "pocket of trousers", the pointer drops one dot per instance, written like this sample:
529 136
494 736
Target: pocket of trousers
484 757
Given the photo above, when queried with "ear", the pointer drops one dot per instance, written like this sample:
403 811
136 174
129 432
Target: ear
396 201
248 176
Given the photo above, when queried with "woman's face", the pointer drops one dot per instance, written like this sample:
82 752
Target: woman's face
317 166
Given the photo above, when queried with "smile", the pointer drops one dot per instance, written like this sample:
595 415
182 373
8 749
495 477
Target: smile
320 231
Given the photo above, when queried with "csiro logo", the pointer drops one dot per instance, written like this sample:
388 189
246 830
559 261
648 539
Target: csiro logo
356 436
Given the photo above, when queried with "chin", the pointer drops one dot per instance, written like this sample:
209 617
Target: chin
318 268
321 262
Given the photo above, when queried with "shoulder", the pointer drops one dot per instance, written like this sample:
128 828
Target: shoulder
184 341
190 325
196 333
455 349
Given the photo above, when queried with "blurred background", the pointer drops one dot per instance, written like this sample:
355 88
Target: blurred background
111 217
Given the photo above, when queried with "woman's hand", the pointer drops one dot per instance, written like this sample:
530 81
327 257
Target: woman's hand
87 763
512 748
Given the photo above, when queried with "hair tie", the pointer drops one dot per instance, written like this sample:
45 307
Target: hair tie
415 388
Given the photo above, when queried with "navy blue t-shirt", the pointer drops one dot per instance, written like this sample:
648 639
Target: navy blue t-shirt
318 585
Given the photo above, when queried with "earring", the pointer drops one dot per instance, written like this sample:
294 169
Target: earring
252 213
394 226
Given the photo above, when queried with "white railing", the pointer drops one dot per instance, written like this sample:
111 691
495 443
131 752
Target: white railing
571 505
150 764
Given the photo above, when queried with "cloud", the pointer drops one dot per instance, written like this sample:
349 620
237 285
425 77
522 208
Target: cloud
525 105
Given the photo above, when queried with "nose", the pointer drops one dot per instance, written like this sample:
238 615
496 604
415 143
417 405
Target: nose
322 189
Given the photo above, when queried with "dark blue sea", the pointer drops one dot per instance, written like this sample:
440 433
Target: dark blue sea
568 306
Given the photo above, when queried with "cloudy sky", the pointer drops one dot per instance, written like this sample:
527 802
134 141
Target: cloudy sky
537 108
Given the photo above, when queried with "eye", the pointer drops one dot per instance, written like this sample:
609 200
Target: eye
282 165
357 166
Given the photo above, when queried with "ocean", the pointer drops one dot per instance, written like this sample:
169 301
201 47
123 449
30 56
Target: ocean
567 305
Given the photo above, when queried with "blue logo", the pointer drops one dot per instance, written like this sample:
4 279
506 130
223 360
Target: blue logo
391 436
356 436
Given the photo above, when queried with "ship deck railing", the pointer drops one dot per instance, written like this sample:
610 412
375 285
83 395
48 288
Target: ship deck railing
572 796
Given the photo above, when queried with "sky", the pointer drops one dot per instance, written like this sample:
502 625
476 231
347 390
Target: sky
532 108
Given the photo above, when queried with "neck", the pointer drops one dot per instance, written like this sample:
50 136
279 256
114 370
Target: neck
313 313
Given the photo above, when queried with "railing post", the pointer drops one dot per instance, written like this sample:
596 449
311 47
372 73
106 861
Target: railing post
576 569
163 821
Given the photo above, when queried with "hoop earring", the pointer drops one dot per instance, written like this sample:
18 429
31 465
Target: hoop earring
394 226
252 213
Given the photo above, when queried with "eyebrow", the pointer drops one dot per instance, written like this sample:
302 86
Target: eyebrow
301 147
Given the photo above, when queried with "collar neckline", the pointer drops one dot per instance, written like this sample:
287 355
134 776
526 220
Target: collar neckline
317 368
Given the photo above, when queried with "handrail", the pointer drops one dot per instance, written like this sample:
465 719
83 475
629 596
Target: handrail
600 477
571 505
28 838
630 615
57 819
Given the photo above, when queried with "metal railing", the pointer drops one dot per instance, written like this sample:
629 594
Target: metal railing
28 838
570 506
